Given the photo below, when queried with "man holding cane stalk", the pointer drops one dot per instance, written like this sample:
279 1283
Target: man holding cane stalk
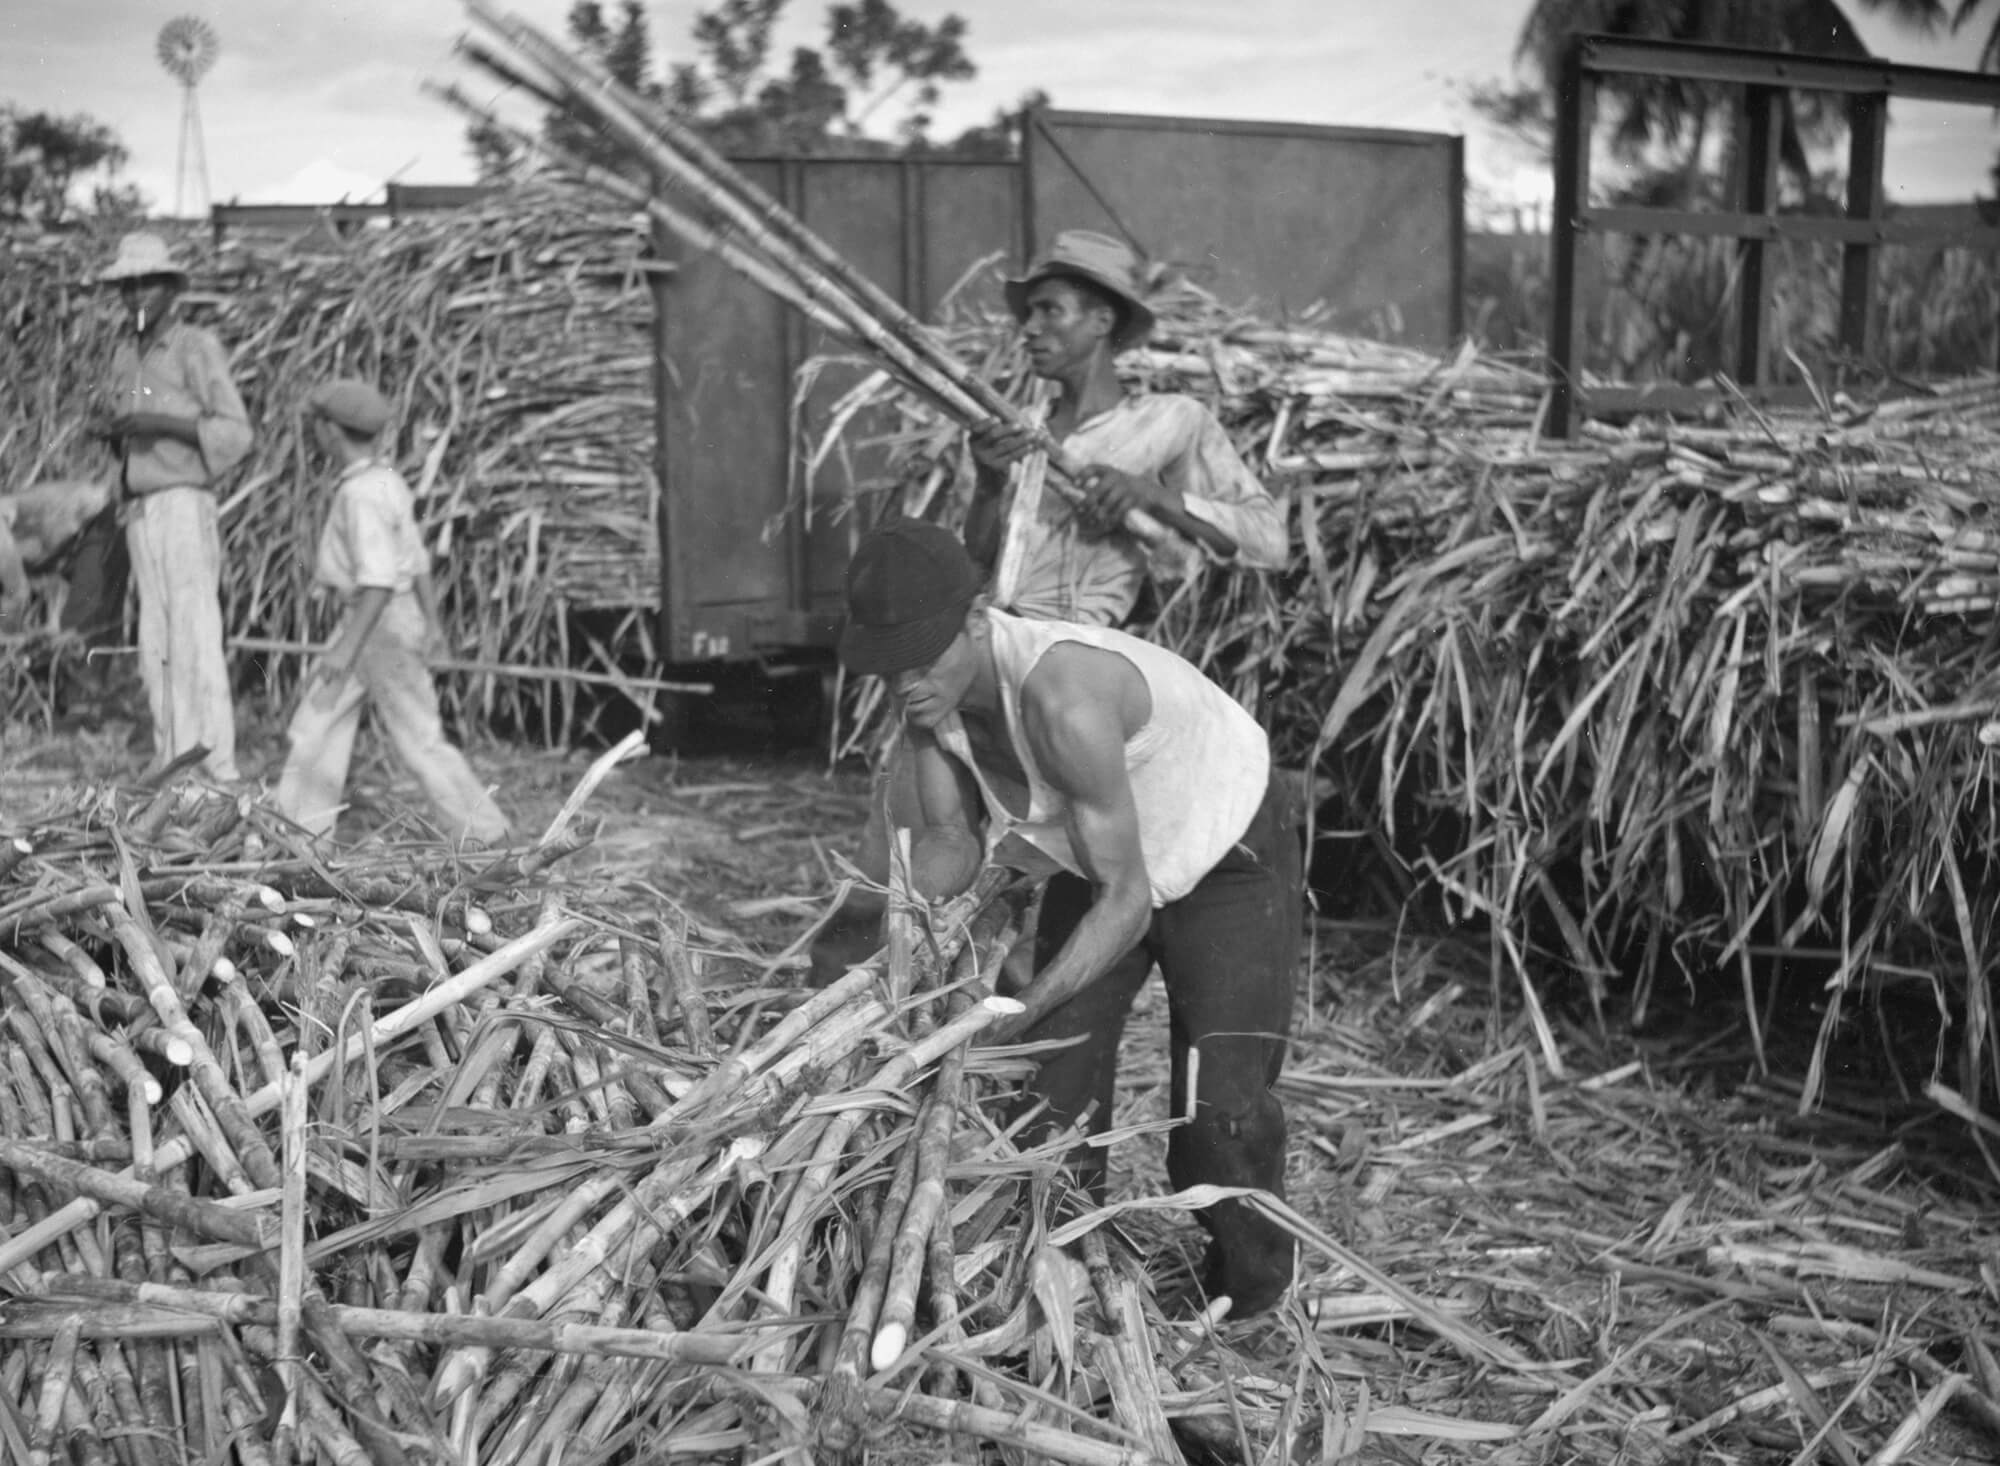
1080 305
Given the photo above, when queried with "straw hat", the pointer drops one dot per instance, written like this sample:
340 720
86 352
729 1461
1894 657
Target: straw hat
1109 264
142 257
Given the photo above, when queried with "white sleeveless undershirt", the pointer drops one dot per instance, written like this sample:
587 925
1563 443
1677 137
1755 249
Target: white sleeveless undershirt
1199 767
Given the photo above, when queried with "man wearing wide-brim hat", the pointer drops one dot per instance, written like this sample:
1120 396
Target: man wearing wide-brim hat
178 423
1080 304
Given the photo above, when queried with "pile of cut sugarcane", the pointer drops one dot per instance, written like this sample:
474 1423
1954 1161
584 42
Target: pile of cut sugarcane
401 1156
1669 697
1673 696
513 339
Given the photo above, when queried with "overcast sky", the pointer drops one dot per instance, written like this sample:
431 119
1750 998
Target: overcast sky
313 100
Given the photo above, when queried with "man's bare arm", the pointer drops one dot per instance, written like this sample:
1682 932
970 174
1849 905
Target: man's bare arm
945 848
1078 708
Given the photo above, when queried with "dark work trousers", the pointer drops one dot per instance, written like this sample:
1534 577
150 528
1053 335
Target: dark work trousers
100 569
1229 953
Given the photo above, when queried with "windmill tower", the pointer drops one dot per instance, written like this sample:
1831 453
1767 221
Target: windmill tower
187 48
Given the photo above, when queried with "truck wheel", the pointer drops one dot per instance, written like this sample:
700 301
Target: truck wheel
798 702
673 721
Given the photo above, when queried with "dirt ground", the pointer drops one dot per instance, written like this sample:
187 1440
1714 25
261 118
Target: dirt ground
1700 1268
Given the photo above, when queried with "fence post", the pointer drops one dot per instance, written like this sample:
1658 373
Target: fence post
1866 114
1575 108
1762 108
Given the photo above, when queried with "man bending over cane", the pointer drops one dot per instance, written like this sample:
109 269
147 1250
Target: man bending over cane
1054 746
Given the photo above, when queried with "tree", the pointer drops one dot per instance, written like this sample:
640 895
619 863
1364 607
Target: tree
44 155
824 99
1666 125
1932 15
625 51
820 100
1001 137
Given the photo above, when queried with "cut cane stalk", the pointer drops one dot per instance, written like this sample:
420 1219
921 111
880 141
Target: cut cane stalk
57 1374
13 851
911 1244
783 1276
453 990
840 1408
680 985
645 1213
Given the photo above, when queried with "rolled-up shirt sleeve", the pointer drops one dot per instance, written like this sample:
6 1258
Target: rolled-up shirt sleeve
223 425
1218 488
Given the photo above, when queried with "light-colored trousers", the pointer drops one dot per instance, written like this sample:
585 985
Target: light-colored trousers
176 549
390 674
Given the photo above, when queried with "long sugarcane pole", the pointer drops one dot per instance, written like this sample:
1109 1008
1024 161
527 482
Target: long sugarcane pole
557 1337
743 224
604 180
714 177
679 155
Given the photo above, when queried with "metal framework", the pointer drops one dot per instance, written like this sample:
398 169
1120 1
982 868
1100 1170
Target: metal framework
1764 77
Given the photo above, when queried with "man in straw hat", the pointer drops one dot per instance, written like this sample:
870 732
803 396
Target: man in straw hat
371 556
179 426
1080 304
1053 746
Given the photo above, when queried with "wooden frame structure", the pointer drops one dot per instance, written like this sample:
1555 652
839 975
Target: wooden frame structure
1764 76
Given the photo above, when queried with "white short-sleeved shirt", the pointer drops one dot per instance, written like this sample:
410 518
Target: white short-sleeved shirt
370 539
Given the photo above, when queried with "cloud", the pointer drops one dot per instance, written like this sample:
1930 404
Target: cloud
301 83
321 181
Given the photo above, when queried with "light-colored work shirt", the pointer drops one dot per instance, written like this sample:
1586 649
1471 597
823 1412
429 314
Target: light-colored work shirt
184 372
1068 576
370 540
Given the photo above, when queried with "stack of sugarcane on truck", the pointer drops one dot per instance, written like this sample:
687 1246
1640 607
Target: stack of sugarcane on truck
1031 731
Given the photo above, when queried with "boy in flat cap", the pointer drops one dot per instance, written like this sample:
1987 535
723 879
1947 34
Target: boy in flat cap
180 426
371 556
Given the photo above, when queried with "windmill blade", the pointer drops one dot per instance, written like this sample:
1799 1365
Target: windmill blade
187 47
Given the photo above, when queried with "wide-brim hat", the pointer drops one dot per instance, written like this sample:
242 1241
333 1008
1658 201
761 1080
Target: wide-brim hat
1110 264
909 586
142 257
352 403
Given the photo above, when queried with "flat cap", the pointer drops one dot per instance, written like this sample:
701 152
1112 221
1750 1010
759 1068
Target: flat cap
352 403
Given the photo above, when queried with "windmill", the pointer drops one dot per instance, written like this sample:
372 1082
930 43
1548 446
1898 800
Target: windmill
187 48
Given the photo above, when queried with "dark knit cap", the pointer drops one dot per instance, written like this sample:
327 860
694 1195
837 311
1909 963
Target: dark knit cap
908 588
